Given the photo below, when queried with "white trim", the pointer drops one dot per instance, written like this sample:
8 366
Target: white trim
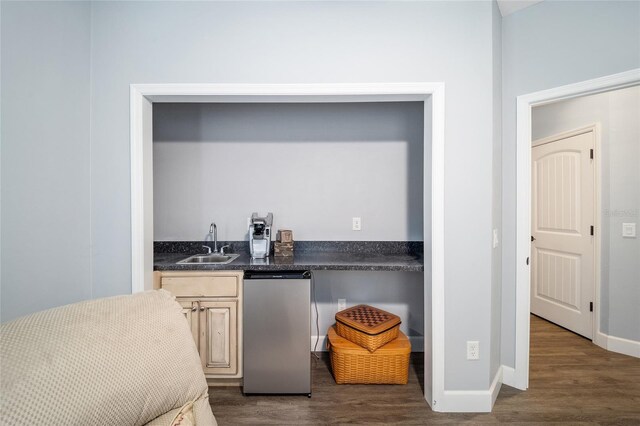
565 135
142 97
496 384
141 126
437 247
619 345
357 92
137 190
597 133
508 376
474 401
523 198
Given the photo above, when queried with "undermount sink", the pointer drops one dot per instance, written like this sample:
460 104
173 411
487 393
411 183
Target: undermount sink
214 258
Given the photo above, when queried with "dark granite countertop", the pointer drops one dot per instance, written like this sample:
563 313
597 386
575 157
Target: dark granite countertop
308 255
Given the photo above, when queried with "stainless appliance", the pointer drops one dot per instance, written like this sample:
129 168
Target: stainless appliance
277 332
260 235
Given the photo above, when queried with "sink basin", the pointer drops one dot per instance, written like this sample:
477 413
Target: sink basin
210 259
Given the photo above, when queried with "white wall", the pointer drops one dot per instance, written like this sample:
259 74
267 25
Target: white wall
315 166
548 45
290 42
617 112
45 156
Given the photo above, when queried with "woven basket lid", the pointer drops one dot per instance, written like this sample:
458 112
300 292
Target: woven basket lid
398 346
368 319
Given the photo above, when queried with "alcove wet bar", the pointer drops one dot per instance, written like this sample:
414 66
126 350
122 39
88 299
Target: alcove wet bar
378 161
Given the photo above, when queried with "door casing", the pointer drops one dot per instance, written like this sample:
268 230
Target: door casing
432 94
518 377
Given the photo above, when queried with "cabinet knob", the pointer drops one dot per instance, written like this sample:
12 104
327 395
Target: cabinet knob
194 309
201 308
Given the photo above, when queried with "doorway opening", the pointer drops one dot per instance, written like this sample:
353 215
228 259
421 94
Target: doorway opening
525 109
142 98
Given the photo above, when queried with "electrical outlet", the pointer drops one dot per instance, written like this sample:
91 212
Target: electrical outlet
342 304
357 224
629 230
473 349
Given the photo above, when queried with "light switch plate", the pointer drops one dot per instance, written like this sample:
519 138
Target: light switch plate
629 230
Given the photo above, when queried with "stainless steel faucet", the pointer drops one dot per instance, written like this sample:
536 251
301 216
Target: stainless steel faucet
213 229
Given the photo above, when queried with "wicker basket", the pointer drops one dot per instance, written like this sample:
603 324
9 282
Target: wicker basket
367 326
353 364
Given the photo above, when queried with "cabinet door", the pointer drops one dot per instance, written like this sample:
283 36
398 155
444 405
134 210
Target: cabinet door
190 311
219 337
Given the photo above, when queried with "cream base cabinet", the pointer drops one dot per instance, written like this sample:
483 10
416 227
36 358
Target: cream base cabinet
212 304
190 312
218 337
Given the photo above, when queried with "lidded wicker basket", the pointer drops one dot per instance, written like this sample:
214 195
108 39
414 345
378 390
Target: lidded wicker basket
351 363
367 326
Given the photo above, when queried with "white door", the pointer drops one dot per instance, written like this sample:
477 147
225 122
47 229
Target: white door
562 219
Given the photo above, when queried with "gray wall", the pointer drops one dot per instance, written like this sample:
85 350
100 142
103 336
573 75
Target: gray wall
315 166
547 45
290 42
45 156
397 292
296 42
496 205
617 112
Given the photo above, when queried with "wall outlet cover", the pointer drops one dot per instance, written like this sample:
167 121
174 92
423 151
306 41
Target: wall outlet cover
628 230
473 350
357 224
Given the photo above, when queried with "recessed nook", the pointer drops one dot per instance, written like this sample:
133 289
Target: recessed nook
430 94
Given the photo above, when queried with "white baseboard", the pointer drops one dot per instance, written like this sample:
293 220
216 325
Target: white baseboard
472 401
508 376
322 343
618 344
417 343
496 384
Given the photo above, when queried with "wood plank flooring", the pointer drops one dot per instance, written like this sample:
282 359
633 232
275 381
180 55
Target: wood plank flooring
572 381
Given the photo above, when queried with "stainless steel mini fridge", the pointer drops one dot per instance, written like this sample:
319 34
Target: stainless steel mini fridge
277 332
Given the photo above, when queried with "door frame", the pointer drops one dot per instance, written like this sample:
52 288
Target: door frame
520 377
597 200
432 94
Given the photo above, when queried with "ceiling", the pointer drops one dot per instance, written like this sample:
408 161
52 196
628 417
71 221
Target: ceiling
508 7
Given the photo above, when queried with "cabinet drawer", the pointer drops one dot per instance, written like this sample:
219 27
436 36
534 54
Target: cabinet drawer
201 286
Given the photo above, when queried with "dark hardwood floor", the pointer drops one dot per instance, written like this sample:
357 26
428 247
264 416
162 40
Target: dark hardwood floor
572 381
